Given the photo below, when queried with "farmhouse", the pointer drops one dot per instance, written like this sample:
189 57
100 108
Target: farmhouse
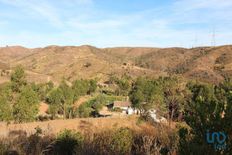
125 106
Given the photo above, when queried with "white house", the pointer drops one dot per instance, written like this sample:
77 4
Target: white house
125 106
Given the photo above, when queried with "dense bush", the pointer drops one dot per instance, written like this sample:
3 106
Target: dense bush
26 106
18 101
42 89
68 142
164 94
18 79
17 95
120 141
62 99
208 110
91 108
5 109
83 87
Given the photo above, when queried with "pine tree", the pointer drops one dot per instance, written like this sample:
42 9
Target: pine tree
18 79
26 107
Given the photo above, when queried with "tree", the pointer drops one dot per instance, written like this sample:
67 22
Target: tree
174 97
208 110
26 107
5 109
53 109
18 79
84 110
98 103
147 94
137 98
55 96
42 89
55 99
68 99
123 86
62 100
6 99
80 87
224 95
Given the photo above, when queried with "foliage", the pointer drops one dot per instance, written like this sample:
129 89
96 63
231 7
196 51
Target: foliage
83 87
18 79
5 103
84 111
42 89
175 97
55 96
92 86
94 105
18 95
26 107
164 94
209 109
67 100
53 109
147 94
123 86
18 100
91 107
5 109
68 142
62 99
122 141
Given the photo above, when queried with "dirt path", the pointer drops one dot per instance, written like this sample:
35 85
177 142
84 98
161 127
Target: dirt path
82 100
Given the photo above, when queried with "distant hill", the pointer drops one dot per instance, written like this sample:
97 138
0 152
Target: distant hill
209 64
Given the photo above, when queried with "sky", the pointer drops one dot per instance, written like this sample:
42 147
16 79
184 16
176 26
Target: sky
110 23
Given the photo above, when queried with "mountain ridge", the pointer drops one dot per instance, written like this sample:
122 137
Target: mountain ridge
208 64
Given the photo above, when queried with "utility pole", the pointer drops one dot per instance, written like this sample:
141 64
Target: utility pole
213 41
196 41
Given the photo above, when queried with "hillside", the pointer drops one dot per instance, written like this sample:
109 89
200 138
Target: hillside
73 62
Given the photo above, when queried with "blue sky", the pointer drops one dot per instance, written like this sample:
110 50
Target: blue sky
108 23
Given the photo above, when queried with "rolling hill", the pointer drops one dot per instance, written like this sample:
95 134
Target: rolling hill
209 64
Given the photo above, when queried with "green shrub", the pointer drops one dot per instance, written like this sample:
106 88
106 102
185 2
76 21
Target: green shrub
27 105
113 142
84 111
122 141
68 142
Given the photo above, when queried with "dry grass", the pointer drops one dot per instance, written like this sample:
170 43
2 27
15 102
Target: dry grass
82 125
96 137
